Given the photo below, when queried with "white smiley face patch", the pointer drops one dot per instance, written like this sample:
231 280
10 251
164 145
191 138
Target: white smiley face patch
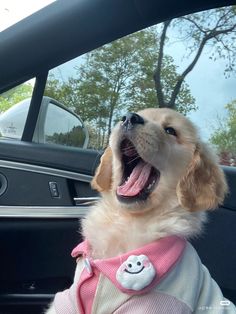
136 273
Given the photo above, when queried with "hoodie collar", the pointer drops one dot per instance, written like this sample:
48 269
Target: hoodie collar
139 270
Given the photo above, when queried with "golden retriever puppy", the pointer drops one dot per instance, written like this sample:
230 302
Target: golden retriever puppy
156 179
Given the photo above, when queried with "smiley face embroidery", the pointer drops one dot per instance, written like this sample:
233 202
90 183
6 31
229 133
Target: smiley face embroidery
136 273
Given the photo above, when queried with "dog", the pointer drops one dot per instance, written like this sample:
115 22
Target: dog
156 180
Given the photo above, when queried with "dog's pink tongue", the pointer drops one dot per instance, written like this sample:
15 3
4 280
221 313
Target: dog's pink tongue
137 180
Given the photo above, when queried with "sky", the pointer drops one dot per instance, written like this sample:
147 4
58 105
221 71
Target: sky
207 82
12 11
210 88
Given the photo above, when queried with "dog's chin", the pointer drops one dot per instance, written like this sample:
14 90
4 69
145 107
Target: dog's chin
135 207
138 179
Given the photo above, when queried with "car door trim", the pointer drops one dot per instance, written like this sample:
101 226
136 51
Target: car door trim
24 298
45 170
44 212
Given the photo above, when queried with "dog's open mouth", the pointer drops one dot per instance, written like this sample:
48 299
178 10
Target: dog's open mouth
139 177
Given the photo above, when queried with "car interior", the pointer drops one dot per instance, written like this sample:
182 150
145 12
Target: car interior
44 189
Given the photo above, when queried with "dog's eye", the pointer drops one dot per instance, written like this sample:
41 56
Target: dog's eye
170 130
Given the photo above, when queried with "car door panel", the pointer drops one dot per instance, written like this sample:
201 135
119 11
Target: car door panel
78 160
33 175
38 231
25 188
35 260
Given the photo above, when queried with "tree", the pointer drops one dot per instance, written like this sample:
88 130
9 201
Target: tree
143 92
75 137
224 137
115 78
213 28
135 72
15 95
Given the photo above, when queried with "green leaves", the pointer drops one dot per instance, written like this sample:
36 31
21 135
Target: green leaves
224 136
116 78
15 95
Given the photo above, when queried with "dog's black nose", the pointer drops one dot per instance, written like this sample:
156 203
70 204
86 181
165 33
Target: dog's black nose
130 119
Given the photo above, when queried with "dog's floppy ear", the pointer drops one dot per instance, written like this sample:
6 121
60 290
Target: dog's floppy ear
103 176
203 186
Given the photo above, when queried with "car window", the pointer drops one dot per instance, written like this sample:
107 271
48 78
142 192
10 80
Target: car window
14 107
56 124
187 63
62 127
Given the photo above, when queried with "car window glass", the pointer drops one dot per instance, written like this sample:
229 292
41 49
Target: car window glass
14 106
62 127
187 63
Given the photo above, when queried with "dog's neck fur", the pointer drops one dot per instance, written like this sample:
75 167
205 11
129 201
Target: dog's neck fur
112 231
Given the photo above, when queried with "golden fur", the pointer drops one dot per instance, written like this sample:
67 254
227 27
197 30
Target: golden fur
190 183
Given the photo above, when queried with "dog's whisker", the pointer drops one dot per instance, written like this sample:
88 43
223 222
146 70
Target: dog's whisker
132 160
127 149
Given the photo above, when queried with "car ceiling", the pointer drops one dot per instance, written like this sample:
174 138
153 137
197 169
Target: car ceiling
67 29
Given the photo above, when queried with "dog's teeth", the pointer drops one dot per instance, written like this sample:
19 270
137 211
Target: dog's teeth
151 185
127 180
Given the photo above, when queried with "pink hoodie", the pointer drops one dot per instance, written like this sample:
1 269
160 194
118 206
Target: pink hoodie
133 273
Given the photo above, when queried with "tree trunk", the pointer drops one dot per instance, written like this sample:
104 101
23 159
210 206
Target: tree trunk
157 73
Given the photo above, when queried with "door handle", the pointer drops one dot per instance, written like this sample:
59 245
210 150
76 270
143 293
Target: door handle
86 201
